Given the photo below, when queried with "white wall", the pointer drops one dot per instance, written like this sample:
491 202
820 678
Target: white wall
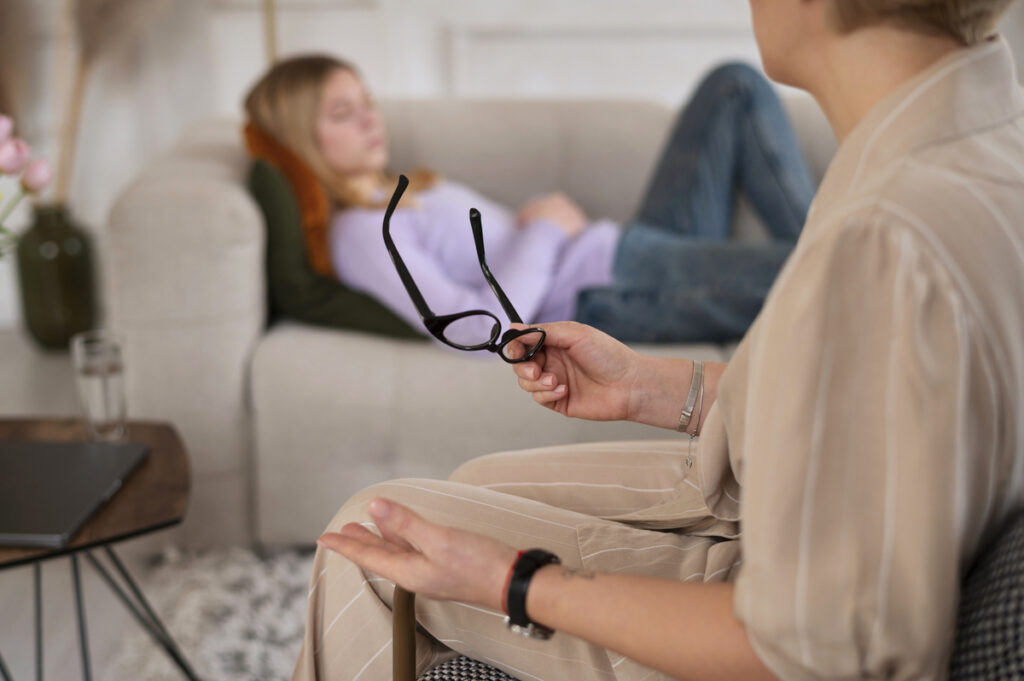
139 98
200 58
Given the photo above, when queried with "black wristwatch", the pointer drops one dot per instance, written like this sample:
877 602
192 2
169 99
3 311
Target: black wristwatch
515 604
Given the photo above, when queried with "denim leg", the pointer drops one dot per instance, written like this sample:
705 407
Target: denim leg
733 133
649 315
677 278
683 290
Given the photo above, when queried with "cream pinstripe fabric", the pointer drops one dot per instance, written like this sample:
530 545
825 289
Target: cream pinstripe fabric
868 429
348 629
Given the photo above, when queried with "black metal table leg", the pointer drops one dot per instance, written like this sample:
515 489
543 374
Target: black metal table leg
37 588
138 593
6 675
37 579
83 639
148 619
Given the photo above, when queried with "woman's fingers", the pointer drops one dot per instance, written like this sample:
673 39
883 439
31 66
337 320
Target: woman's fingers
516 349
354 547
353 534
388 556
546 382
391 564
402 531
527 370
547 397
363 534
401 524
562 334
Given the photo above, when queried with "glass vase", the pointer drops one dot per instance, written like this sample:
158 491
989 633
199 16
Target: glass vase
56 277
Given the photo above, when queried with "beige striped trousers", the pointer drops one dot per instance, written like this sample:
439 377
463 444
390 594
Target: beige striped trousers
631 507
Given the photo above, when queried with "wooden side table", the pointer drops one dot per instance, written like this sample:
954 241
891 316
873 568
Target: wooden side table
154 497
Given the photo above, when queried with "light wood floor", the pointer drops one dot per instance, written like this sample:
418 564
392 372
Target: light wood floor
37 383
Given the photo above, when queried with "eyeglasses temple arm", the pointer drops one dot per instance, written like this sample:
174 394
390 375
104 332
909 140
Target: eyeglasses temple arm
478 237
403 271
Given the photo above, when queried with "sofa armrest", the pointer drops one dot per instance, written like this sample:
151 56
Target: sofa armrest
187 293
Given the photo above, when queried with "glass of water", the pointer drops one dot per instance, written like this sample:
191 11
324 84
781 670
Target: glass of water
99 374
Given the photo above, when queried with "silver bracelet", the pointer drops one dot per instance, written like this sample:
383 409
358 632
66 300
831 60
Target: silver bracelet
695 421
695 382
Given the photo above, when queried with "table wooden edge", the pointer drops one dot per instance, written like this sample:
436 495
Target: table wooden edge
154 497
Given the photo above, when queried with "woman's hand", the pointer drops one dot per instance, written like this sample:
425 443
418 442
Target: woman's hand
557 208
429 560
580 372
587 374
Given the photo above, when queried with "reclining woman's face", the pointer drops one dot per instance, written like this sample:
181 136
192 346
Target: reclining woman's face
349 131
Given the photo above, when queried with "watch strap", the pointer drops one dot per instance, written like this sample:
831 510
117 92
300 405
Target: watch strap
522 572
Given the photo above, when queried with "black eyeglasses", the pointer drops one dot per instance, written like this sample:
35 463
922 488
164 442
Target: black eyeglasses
473 329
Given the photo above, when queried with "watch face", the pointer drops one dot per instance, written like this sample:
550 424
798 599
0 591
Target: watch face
531 630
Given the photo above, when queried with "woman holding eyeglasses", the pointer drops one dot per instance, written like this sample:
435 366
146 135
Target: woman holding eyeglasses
862 446
668 275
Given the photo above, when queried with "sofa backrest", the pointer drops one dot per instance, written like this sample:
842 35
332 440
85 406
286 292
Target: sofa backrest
599 152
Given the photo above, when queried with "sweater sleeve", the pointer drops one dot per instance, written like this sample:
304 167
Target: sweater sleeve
361 261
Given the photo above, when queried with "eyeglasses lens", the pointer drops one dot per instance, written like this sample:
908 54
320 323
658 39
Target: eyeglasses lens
472 331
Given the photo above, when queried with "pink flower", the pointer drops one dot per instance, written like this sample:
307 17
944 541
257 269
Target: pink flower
6 127
37 175
14 155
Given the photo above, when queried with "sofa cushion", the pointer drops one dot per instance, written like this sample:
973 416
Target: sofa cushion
294 290
385 409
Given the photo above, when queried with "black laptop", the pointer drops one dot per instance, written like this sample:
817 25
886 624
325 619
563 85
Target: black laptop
49 489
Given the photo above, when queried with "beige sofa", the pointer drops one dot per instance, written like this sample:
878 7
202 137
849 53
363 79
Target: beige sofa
284 423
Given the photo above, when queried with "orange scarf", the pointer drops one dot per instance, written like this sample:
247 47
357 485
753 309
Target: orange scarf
314 206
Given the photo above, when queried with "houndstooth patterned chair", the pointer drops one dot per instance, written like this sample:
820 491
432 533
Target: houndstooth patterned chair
465 669
990 625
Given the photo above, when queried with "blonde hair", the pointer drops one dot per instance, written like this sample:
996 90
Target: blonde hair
968 21
284 104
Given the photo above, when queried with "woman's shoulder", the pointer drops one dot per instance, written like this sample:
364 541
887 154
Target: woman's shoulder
882 232
928 238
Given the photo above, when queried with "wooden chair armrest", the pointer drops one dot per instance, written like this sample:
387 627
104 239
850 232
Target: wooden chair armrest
404 636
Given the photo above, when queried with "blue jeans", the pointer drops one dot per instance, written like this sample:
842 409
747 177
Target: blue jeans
677 277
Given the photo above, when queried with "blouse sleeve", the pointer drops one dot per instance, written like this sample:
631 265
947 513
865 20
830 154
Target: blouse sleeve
856 486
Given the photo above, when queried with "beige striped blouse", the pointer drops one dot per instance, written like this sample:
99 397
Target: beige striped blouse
868 431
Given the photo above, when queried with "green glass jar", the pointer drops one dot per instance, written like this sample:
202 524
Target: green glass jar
55 273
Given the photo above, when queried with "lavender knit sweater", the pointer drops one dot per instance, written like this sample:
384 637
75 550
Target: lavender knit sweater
539 267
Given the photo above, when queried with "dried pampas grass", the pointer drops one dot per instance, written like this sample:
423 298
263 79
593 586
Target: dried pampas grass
270 30
99 26
103 24
15 42
6 96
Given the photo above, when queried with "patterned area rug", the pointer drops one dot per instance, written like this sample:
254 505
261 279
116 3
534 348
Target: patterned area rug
237 616
234 614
